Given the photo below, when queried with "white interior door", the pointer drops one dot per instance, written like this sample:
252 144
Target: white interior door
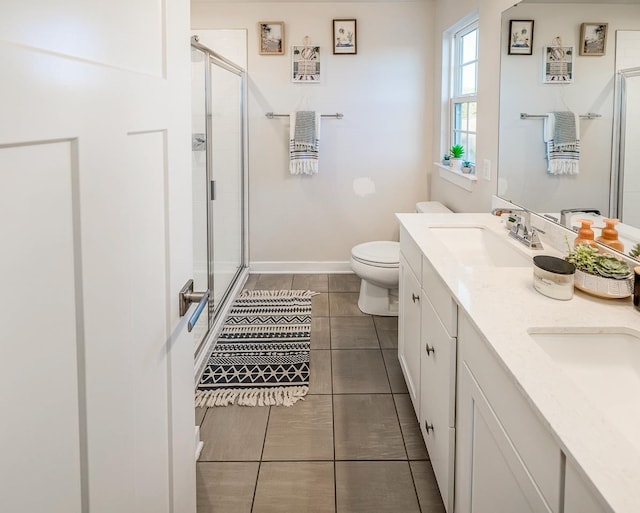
96 369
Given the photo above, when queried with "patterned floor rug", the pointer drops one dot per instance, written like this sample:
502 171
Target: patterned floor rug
261 357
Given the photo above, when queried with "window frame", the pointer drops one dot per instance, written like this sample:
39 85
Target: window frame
456 97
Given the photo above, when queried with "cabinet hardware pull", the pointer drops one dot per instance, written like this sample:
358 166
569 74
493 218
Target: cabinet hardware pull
415 298
427 426
430 349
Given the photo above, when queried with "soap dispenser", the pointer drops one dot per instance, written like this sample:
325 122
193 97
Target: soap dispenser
585 234
609 236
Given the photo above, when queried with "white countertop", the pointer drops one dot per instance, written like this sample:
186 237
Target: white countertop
503 304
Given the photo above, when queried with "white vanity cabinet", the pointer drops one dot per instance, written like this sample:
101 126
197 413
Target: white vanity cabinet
437 398
506 460
409 317
578 496
427 327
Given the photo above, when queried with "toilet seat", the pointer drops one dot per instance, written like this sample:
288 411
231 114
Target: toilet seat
384 254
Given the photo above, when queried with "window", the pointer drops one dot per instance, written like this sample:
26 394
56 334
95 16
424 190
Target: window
464 89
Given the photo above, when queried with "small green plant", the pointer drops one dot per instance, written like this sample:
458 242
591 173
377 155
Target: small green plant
456 151
466 163
635 251
589 260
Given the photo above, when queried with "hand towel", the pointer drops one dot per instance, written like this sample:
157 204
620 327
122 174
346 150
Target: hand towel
304 142
562 138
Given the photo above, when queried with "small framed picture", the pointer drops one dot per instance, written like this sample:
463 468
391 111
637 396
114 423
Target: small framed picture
305 64
520 37
344 37
593 38
558 64
271 37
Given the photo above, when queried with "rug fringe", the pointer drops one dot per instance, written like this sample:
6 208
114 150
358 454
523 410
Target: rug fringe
279 396
278 293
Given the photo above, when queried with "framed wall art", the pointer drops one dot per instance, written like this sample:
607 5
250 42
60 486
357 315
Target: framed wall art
305 63
593 38
520 37
271 37
344 37
558 64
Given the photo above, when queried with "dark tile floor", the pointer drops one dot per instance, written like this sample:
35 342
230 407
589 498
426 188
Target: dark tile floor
352 446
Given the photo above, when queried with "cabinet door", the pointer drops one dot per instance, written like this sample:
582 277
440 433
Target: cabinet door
409 331
579 497
437 398
490 476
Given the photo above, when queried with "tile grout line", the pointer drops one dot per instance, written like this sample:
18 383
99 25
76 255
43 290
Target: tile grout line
264 442
404 441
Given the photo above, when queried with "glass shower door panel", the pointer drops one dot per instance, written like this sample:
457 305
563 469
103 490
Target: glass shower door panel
199 61
631 188
227 173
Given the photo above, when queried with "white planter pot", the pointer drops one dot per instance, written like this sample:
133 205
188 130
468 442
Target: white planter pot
456 164
603 287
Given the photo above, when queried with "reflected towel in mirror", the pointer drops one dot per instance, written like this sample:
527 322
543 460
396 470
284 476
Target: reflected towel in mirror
562 139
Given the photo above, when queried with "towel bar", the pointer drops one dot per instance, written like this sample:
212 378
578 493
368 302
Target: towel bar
589 115
337 115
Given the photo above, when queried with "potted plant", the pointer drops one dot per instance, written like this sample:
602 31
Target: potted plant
446 160
466 167
456 151
600 274
635 251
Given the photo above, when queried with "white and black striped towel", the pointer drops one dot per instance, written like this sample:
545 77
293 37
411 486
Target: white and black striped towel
562 139
304 142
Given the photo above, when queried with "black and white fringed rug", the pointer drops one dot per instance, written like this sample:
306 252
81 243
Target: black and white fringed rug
261 358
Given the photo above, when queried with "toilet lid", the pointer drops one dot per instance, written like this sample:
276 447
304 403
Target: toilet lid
379 253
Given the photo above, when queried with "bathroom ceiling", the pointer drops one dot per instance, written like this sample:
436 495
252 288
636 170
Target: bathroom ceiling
300 1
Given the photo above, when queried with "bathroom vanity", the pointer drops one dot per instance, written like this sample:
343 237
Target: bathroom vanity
526 403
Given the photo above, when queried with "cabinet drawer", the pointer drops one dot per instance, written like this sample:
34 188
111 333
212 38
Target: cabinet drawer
534 444
411 252
440 298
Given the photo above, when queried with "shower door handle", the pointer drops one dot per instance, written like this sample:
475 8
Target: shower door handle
188 296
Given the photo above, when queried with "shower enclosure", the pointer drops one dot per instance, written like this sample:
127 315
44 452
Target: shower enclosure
626 183
219 182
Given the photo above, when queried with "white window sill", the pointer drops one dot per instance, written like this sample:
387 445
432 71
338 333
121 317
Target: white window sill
456 177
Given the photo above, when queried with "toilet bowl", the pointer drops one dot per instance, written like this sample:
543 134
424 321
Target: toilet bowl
377 264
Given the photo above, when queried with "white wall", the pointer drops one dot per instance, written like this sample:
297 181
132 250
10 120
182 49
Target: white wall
373 163
523 175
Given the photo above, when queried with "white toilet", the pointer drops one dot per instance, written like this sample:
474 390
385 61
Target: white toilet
377 265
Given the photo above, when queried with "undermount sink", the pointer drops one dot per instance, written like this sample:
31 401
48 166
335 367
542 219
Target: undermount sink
605 364
479 246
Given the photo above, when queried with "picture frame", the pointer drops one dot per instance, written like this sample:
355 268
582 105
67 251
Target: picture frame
305 64
521 37
593 38
345 37
271 37
558 64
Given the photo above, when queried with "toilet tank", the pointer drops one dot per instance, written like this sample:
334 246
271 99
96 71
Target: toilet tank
431 207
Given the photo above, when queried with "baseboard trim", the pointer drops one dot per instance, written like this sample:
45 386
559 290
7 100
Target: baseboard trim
300 267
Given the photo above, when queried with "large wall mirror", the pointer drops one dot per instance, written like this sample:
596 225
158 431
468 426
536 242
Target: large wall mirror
609 167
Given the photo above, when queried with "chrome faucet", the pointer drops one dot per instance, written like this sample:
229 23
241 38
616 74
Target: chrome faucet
522 229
